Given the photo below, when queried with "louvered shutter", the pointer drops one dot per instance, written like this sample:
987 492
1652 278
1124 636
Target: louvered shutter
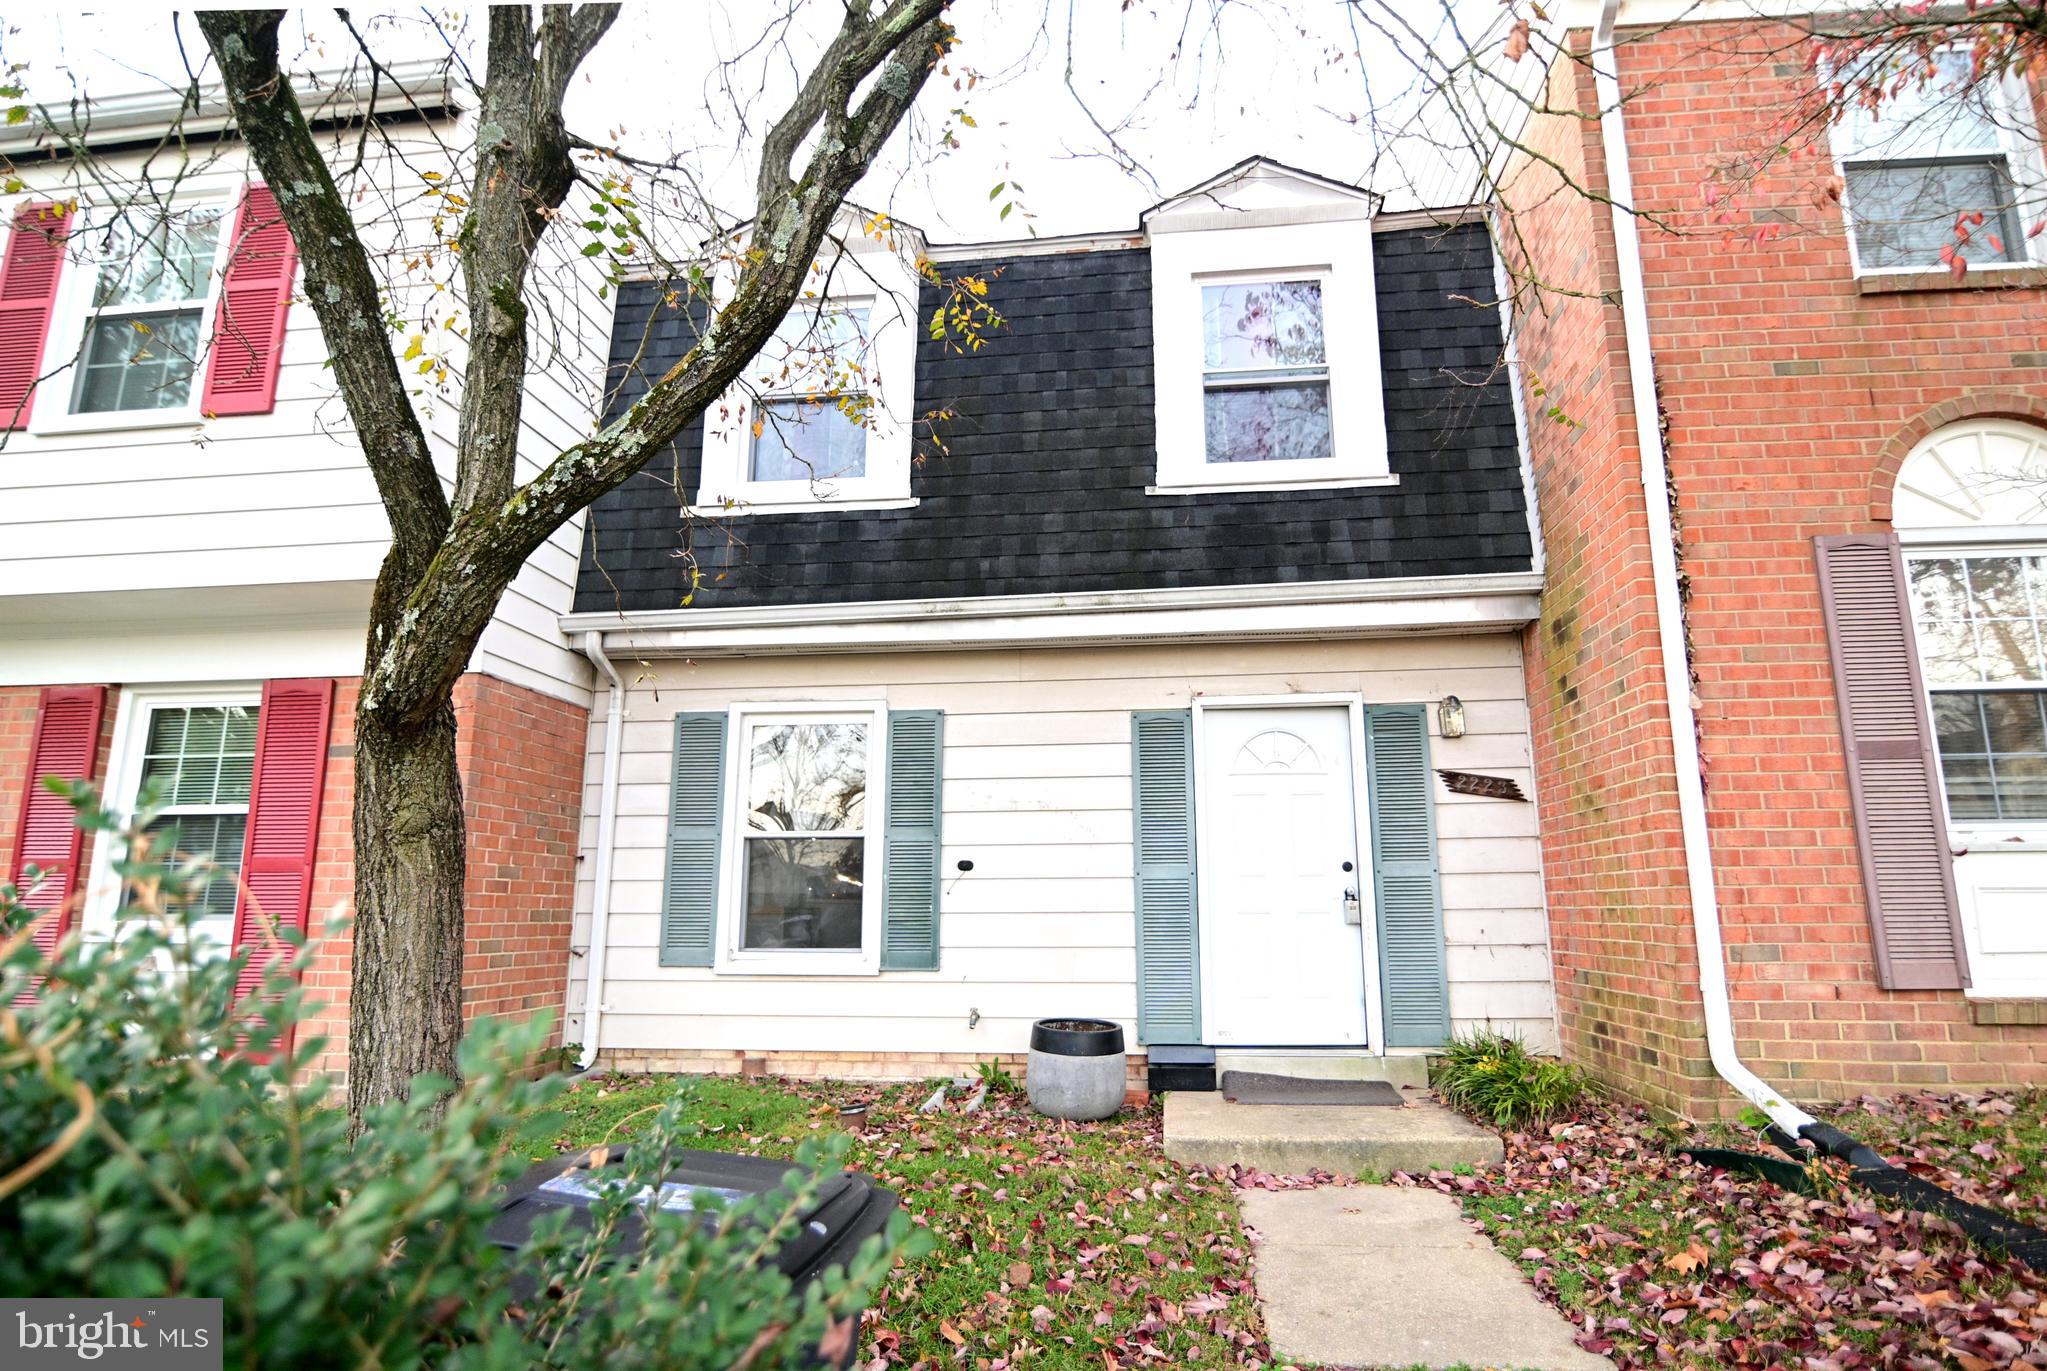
1893 774
284 824
66 744
255 298
910 845
1413 967
1168 928
696 830
28 301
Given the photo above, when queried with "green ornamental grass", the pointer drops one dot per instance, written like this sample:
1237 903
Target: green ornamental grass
1494 1077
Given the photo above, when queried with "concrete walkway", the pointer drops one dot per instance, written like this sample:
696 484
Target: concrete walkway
1344 1140
1382 1276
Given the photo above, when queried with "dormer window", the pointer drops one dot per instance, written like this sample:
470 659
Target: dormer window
810 426
821 418
1265 335
1265 372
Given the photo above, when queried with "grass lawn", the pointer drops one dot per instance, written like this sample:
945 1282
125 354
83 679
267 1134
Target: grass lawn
1664 1262
1077 1246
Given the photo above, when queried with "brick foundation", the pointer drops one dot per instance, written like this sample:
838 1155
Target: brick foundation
1790 396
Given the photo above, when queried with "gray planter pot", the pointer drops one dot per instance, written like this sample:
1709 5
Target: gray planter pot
1076 1068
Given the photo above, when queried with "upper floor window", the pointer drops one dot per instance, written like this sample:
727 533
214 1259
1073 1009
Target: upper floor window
1265 372
1265 335
822 418
1933 151
139 312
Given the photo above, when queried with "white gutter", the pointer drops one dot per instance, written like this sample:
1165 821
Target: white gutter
1677 680
607 822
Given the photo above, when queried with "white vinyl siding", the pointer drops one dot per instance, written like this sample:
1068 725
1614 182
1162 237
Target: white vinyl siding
107 527
1037 795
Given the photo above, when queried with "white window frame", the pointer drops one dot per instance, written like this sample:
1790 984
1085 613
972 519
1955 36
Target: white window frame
734 958
74 312
101 920
1976 833
2024 159
1338 255
725 485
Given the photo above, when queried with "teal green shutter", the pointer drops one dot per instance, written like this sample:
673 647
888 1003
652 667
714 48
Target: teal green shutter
1168 933
1412 965
696 831
909 892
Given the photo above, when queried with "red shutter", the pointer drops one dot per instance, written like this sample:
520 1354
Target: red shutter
248 328
1893 774
28 298
66 744
284 820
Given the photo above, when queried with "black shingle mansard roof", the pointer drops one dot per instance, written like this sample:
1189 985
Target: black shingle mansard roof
1043 487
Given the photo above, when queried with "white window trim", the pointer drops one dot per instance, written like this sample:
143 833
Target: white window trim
724 487
74 312
99 921
2028 167
1977 833
1339 255
732 958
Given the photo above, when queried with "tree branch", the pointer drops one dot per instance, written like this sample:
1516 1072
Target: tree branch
340 283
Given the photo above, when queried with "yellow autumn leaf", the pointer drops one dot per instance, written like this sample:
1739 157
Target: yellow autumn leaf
415 347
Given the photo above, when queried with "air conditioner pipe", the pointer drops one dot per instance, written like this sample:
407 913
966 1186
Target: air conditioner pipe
592 644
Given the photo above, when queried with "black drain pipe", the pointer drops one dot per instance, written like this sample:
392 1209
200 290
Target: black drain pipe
1988 1227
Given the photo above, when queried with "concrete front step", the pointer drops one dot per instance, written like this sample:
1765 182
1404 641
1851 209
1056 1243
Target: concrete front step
1346 1140
1326 1066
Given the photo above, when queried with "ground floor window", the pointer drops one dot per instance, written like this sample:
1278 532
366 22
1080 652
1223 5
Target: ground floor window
190 761
1981 622
806 787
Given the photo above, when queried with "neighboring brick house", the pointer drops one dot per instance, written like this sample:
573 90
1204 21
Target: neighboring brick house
1855 442
188 541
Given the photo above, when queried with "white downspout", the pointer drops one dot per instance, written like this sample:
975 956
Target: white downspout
607 822
1677 681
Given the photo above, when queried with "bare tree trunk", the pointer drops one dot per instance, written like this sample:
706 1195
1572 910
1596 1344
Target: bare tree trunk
449 564
405 987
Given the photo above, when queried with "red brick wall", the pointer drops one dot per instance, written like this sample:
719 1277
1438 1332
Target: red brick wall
1612 861
521 756
522 776
1790 397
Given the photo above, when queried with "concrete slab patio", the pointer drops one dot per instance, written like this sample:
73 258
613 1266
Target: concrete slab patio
1381 1276
1345 1140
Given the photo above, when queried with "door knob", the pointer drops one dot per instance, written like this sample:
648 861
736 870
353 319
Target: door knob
1346 866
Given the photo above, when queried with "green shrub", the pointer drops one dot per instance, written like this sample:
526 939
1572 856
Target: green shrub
154 1143
1494 1077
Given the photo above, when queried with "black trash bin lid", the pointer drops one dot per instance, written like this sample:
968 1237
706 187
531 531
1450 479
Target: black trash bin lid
702 1183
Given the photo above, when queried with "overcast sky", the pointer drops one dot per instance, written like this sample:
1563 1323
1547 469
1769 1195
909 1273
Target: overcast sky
1184 90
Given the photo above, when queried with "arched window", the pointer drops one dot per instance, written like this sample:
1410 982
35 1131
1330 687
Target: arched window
1971 513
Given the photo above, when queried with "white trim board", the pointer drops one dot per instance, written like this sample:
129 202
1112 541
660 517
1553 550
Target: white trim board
1316 610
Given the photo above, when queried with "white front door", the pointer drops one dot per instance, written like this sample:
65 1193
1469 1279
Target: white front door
1279 854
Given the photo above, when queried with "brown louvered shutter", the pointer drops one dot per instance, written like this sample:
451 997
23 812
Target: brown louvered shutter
1893 774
